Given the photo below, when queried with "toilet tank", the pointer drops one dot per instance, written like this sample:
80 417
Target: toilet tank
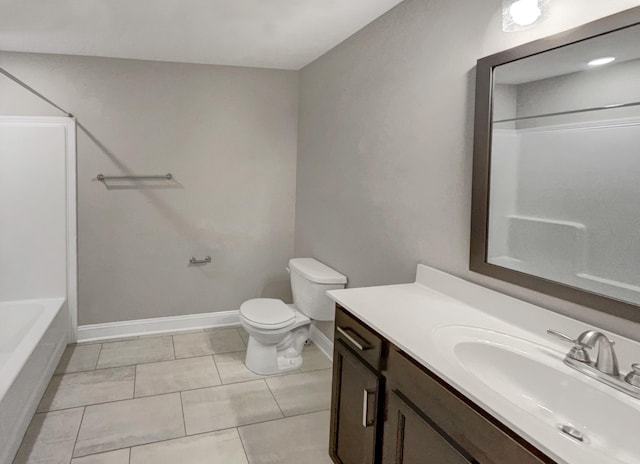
310 280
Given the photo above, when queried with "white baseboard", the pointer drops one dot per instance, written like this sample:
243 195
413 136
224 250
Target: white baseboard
322 341
159 325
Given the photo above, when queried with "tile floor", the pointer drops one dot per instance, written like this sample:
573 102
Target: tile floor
185 398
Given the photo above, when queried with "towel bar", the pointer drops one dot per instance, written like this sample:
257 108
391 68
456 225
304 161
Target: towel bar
102 177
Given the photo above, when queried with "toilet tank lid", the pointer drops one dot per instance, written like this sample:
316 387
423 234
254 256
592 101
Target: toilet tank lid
316 272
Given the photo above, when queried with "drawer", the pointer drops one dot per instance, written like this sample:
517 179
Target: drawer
361 339
460 421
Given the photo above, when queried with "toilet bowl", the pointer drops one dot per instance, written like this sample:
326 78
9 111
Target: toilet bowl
277 331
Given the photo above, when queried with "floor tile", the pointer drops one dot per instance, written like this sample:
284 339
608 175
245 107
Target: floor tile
112 457
50 438
232 368
292 440
223 447
209 342
172 376
313 359
78 358
122 424
228 406
91 387
301 393
129 352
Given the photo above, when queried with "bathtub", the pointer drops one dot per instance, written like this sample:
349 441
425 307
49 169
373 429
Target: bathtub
33 335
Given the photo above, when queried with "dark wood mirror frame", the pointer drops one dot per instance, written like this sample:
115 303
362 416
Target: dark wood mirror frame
482 161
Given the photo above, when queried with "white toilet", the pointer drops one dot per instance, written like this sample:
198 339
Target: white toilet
277 331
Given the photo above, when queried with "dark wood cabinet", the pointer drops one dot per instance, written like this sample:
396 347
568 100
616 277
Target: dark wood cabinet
411 438
355 422
388 409
470 432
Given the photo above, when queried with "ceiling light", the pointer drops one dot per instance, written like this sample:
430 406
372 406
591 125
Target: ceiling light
602 61
525 12
521 14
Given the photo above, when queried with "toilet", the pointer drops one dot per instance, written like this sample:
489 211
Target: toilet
278 331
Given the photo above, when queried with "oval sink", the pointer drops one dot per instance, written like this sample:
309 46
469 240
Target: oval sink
536 380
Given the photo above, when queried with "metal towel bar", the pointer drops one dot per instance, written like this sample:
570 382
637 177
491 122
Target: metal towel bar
102 177
194 260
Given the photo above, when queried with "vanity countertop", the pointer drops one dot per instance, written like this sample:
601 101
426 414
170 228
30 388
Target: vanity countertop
417 317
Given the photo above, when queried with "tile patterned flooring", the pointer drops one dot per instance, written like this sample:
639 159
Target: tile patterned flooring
184 398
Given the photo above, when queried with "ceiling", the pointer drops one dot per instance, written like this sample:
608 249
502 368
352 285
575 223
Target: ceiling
282 34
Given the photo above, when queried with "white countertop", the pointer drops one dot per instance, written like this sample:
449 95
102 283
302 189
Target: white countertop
408 315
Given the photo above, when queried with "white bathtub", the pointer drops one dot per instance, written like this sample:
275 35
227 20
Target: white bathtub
33 335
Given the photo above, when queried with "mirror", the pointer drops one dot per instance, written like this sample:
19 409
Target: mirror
557 170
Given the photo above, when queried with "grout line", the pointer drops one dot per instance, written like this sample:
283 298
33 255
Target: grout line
98 358
129 461
90 371
274 420
114 401
215 364
167 360
135 379
244 448
184 421
173 344
156 362
274 397
75 443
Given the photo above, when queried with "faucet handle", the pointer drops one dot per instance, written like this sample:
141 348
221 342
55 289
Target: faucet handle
578 352
633 377
566 338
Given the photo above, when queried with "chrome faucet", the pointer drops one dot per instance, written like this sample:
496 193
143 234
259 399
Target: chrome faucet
606 360
605 369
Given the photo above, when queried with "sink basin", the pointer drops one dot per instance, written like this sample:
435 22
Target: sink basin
534 379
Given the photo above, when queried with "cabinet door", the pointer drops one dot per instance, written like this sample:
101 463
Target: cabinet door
355 412
411 438
467 429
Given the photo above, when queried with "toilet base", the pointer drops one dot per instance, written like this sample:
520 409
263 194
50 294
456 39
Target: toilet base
272 359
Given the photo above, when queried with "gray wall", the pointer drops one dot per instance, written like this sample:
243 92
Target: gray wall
229 137
385 143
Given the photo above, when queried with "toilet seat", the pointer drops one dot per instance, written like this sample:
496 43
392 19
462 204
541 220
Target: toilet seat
267 313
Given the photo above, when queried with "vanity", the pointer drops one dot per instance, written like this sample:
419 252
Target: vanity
423 420
408 414
446 371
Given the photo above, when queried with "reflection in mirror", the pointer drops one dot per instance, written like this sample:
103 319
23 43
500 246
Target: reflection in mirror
565 165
